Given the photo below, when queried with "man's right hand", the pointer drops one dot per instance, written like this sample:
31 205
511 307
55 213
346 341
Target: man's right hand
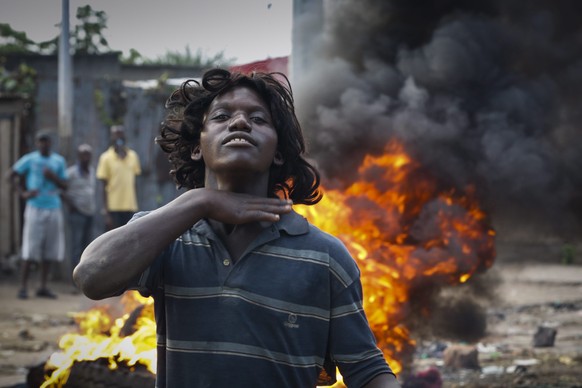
29 194
234 208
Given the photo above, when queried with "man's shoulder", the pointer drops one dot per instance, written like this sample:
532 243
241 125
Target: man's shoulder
107 153
30 155
132 153
72 171
106 156
334 246
59 158
324 238
25 159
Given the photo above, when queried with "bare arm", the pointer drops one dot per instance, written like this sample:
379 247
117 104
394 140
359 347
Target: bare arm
118 256
384 380
105 211
19 184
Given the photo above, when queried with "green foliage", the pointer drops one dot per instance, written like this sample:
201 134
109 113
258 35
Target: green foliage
568 253
99 99
87 37
49 46
12 41
22 81
176 58
134 58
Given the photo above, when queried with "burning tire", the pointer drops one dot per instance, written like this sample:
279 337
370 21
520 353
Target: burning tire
96 374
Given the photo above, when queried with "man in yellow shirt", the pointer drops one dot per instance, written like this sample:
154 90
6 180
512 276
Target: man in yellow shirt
117 168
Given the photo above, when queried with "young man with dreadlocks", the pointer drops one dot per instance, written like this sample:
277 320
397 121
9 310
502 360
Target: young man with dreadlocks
247 293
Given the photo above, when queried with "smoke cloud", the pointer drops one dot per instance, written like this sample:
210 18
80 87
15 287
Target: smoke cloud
484 93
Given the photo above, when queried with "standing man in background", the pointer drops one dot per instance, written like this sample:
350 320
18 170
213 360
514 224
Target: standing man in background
39 176
80 198
117 168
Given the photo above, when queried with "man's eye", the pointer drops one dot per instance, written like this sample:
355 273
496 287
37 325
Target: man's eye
258 120
220 117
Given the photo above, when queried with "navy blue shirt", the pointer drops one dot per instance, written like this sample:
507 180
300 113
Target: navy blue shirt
283 315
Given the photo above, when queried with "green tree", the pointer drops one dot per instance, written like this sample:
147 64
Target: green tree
177 58
21 81
15 42
87 36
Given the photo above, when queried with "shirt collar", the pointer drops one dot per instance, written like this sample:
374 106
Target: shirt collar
293 224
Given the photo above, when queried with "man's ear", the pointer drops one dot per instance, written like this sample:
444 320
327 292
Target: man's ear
278 160
196 154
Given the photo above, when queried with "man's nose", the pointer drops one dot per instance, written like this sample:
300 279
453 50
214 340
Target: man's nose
239 123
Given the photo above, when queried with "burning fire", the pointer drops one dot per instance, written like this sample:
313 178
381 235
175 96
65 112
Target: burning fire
404 231
129 339
401 227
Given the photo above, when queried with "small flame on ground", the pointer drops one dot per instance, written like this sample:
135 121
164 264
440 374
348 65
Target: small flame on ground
99 336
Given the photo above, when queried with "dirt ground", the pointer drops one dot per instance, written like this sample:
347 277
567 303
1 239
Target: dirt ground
533 293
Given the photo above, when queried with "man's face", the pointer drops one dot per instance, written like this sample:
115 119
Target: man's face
84 158
118 137
44 146
238 134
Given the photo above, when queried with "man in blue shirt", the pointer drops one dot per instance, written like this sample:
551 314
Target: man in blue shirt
247 293
39 177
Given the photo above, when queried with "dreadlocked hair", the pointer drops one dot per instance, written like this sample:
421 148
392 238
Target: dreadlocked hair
295 179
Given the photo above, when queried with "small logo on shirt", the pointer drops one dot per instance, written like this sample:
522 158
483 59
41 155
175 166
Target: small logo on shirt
291 321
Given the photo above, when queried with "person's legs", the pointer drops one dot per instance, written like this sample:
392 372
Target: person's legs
81 234
87 236
45 266
32 238
77 225
53 249
43 291
24 273
120 218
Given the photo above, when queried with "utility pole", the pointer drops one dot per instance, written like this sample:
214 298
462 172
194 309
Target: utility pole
65 81
307 26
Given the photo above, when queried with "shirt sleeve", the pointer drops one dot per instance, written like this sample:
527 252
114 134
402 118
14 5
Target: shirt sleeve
22 165
137 165
352 343
102 171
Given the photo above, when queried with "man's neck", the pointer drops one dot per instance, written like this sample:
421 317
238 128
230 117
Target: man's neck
237 182
120 150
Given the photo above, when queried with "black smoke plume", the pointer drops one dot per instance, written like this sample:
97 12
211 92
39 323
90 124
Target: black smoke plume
482 92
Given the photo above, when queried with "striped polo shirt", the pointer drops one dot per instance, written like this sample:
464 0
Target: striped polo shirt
285 314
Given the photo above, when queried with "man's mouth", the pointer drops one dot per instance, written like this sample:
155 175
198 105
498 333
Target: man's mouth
238 139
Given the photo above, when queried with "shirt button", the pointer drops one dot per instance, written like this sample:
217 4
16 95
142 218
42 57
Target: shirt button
226 262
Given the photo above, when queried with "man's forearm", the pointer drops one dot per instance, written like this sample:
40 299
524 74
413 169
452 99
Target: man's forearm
384 380
118 256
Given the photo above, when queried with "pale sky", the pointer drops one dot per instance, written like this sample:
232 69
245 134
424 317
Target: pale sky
247 30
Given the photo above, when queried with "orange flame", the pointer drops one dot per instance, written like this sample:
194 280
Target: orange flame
401 228
100 336
403 231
